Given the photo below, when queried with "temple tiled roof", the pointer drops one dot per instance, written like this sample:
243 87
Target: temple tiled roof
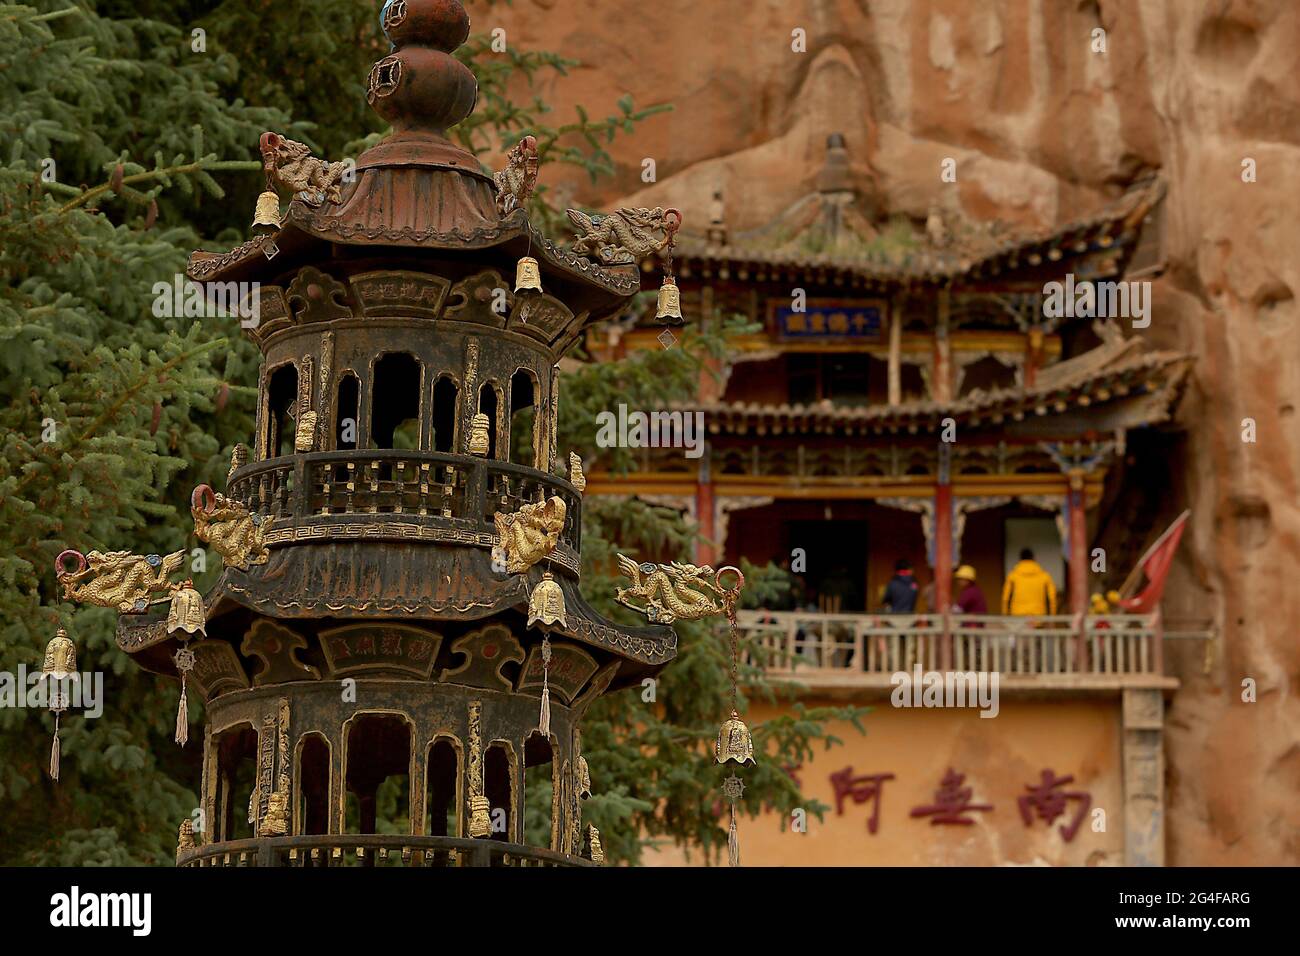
1154 378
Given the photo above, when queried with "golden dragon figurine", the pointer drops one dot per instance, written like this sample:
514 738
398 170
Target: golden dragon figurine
517 181
675 591
623 236
290 163
116 579
530 534
234 532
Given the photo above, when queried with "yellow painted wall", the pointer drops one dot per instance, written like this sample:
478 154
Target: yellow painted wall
999 756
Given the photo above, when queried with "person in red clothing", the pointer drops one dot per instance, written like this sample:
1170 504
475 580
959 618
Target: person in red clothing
970 599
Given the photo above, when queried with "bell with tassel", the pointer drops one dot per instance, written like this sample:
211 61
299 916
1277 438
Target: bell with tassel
59 664
546 603
186 615
266 217
186 612
528 275
735 743
670 303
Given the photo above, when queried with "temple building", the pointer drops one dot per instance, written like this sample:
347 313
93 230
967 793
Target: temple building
914 391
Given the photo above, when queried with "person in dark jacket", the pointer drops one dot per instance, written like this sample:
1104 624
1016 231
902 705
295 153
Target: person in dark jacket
902 590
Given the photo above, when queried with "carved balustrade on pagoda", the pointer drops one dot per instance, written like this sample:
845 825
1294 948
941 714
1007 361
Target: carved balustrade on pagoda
398 495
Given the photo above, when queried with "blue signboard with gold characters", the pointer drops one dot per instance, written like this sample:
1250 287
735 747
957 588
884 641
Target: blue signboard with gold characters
828 319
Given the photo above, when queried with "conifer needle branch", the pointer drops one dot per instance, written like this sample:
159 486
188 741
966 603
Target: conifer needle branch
111 412
162 174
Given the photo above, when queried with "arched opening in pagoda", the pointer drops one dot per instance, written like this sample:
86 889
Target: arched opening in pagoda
395 402
488 404
442 788
523 418
541 787
377 776
312 779
446 401
281 411
499 788
347 412
236 769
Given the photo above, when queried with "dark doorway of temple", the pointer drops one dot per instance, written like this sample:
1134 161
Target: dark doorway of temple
837 562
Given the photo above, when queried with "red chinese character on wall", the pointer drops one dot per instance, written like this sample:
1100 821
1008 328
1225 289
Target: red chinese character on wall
951 801
861 789
1049 802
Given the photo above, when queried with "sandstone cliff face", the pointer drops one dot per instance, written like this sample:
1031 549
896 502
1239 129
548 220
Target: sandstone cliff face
1043 129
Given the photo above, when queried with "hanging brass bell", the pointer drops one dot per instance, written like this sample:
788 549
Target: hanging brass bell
597 851
528 275
480 820
478 434
735 743
186 612
670 303
60 656
546 603
266 218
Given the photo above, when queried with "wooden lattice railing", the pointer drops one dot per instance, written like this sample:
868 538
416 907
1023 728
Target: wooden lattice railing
800 642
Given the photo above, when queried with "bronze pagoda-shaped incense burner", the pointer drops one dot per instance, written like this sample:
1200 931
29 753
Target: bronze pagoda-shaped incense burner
398 629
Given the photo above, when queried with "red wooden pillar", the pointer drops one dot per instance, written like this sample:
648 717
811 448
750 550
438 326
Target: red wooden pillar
1078 545
1033 355
706 551
943 564
1076 504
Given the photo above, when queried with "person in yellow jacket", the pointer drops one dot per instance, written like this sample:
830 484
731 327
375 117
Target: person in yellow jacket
1029 589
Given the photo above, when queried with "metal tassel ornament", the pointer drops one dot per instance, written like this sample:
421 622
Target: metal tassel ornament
60 662
733 788
187 615
544 717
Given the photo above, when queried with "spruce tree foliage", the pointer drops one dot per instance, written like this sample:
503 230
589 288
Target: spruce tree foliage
126 141
113 140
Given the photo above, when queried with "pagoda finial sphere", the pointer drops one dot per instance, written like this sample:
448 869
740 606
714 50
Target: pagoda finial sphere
420 87
441 24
